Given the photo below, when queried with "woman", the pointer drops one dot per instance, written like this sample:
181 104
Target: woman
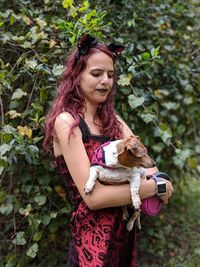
82 118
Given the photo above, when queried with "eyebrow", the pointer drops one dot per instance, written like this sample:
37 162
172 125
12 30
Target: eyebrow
101 70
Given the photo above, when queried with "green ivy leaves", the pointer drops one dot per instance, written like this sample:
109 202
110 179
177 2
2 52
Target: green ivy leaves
135 102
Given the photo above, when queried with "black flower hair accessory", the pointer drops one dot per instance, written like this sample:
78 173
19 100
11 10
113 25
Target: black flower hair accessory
87 41
84 44
116 49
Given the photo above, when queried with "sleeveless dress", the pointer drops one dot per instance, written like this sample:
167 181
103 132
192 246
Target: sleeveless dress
98 237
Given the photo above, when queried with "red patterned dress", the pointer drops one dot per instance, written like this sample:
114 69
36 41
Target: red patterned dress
98 237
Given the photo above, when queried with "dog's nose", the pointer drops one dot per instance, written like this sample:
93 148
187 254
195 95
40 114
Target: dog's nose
154 164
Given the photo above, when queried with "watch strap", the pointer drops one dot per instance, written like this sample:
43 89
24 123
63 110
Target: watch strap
160 183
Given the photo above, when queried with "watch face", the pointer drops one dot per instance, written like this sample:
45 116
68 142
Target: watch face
161 188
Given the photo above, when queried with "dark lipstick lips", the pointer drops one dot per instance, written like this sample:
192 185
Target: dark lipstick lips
102 90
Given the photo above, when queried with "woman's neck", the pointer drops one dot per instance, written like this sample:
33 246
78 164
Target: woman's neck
90 112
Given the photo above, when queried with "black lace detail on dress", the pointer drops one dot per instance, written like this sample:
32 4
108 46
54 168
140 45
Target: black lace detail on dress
86 133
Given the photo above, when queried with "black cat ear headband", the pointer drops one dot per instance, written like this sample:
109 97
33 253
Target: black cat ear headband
86 42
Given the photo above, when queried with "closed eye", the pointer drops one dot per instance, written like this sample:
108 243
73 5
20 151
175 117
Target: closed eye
96 74
110 74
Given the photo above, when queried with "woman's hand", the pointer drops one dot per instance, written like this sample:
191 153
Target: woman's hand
169 191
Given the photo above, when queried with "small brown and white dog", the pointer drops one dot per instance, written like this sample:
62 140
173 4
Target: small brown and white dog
121 161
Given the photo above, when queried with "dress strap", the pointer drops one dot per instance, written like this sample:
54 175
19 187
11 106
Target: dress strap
84 130
87 135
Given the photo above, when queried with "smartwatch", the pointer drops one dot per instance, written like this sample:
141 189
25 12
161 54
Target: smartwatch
160 186
160 183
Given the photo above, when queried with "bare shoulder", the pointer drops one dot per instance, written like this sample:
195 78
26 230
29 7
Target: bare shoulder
126 129
63 125
64 118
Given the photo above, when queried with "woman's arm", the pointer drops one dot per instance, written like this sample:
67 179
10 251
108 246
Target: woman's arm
78 164
73 150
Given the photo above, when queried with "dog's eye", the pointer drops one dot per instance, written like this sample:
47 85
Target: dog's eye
114 153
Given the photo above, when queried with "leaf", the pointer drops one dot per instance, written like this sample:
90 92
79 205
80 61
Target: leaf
61 192
18 94
197 251
4 149
67 3
41 22
192 162
19 239
57 70
155 51
52 43
148 117
26 19
124 79
171 105
46 219
125 90
25 212
33 149
6 208
166 135
37 236
9 129
146 55
183 154
53 215
13 114
73 11
32 251
84 7
31 64
24 131
164 132
40 200
135 102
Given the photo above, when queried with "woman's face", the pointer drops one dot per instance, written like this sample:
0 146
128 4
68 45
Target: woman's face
96 80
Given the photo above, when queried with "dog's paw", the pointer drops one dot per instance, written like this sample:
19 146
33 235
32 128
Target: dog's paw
88 188
130 224
125 215
134 217
138 223
136 203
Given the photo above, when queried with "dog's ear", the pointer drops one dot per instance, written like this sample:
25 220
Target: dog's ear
136 147
121 147
138 151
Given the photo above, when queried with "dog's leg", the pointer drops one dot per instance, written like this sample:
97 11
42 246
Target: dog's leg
134 217
134 188
138 221
125 213
91 181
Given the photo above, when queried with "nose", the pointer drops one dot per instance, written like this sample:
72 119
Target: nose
105 79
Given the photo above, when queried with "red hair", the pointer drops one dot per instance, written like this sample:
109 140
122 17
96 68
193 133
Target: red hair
70 98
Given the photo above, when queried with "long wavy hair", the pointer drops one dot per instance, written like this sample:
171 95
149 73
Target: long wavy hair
70 98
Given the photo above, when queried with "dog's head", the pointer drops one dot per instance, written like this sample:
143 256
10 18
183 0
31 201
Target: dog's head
128 152
132 153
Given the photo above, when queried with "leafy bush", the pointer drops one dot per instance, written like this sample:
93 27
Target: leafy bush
161 78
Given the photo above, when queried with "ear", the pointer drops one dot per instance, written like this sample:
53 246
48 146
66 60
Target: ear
138 151
124 145
121 147
136 147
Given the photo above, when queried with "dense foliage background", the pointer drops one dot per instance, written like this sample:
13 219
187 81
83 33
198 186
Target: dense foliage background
158 96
